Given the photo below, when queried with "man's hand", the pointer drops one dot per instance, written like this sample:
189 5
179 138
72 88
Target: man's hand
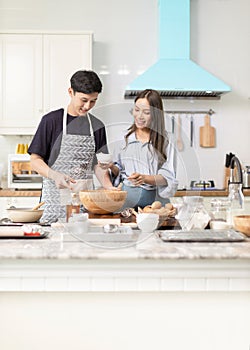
61 180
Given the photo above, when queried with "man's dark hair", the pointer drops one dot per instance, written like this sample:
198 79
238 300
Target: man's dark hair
86 81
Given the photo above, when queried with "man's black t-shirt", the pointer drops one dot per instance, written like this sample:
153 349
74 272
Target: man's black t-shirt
47 139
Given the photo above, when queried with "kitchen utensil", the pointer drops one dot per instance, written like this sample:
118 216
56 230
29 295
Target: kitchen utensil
173 124
38 206
179 141
24 214
102 201
191 131
242 223
207 134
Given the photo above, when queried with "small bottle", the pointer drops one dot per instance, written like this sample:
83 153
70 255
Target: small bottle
73 207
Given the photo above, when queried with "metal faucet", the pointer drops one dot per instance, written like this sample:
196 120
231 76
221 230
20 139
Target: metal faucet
235 183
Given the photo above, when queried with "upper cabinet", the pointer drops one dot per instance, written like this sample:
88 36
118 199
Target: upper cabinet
35 71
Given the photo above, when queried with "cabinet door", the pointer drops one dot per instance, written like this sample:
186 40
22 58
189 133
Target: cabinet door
64 54
21 82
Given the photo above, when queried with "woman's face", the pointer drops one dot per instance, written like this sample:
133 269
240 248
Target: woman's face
141 113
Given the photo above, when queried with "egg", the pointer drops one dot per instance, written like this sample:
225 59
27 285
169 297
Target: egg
156 205
169 206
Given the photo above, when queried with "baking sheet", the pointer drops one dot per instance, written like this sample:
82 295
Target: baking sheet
17 233
228 235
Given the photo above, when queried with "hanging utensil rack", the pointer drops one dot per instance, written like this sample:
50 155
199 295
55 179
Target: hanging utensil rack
210 112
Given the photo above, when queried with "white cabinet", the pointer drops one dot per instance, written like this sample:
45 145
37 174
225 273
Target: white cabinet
35 70
19 202
21 82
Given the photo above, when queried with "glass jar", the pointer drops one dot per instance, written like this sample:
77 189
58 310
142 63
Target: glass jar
192 213
220 209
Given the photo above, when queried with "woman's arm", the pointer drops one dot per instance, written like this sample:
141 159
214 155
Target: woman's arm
103 177
155 180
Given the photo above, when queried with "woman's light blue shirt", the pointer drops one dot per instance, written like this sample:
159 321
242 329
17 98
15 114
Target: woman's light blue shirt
142 158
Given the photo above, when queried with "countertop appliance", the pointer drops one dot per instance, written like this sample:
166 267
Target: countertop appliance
20 175
202 185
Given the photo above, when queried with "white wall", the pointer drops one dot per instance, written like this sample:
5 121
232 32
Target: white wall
125 34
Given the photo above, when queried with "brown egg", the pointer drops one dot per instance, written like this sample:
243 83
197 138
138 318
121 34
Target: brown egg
169 206
156 205
163 211
147 209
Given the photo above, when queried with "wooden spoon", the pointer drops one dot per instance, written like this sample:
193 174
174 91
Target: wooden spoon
38 206
179 141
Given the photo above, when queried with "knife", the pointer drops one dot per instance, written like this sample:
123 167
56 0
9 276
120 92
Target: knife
191 130
173 126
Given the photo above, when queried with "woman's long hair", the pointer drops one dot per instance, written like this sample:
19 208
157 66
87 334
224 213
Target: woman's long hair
158 134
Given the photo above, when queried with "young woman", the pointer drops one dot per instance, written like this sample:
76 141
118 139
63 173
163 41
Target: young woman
143 161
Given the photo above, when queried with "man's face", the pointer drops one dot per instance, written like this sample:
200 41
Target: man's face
81 103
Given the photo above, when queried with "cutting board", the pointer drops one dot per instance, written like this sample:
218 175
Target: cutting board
207 133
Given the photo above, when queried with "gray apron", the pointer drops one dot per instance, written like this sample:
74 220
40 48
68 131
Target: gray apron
75 159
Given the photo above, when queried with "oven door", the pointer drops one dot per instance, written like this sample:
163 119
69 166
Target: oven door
20 175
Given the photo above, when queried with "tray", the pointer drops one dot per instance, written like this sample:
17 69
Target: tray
95 234
201 236
17 233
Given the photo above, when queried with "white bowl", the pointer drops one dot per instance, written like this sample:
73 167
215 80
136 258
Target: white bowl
104 157
147 222
146 216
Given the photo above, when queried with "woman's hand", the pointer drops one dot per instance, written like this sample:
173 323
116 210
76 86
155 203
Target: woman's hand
137 179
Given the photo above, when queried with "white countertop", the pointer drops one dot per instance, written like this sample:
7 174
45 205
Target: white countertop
60 263
66 247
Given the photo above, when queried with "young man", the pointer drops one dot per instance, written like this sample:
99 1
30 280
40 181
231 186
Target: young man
64 146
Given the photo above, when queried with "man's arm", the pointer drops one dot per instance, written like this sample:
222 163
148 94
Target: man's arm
61 180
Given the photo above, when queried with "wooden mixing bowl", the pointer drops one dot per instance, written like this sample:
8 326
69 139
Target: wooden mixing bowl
242 223
102 201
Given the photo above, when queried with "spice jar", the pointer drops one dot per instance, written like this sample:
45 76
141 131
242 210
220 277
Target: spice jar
74 206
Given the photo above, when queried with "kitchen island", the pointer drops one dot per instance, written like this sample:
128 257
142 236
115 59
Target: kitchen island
150 294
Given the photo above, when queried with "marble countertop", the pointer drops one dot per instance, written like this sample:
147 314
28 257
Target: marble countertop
65 247
180 193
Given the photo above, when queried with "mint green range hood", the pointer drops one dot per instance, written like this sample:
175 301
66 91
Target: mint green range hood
175 75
